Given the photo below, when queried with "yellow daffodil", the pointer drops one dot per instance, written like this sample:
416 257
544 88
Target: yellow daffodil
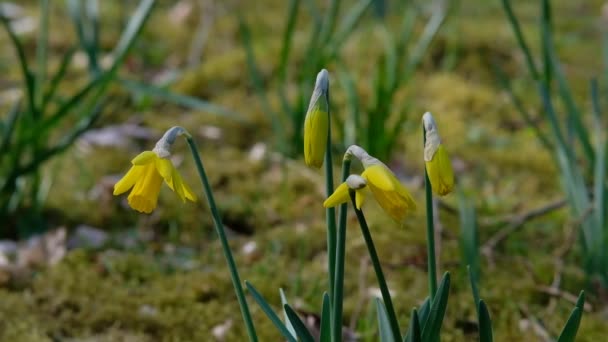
342 192
146 175
438 165
316 123
392 196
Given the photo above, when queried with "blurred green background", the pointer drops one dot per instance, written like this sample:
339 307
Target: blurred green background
77 264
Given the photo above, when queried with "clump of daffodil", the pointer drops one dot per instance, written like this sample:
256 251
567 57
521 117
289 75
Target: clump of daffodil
438 165
355 183
316 124
149 170
392 196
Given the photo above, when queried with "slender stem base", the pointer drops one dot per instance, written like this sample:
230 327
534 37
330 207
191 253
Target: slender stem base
386 296
219 228
339 265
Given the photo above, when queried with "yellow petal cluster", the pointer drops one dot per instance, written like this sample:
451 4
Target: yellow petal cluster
145 178
316 123
392 196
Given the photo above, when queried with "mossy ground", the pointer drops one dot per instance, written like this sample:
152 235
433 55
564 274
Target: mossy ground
174 285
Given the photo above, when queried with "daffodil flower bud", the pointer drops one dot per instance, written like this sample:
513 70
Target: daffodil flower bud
438 165
392 196
316 124
149 170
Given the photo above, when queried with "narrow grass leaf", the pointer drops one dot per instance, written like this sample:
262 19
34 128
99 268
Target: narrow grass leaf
570 330
599 188
413 332
546 41
348 24
506 85
288 34
325 331
28 77
285 318
9 126
428 34
303 334
485 323
520 39
422 316
474 288
41 53
384 326
432 328
568 334
51 90
574 114
270 313
179 99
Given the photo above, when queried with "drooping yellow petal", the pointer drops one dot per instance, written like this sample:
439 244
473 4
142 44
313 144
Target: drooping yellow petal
380 176
440 172
128 180
392 196
359 198
144 158
144 195
187 190
339 196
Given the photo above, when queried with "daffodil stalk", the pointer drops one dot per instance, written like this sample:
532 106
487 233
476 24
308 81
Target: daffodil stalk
219 228
438 178
386 296
340 253
317 145
145 178
392 197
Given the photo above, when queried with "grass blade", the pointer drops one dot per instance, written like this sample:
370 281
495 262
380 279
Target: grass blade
568 334
179 99
599 188
474 288
432 327
485 323
28 77
299 326
41 53
269 312
414 333
430 31
66 61
574 114
546 41
347 26
506 85
292 15
384 326
520 39
285 318
9 127
325 332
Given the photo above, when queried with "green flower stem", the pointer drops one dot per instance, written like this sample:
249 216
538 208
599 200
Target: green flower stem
219 228
430 230
386 296
330 213
340 252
